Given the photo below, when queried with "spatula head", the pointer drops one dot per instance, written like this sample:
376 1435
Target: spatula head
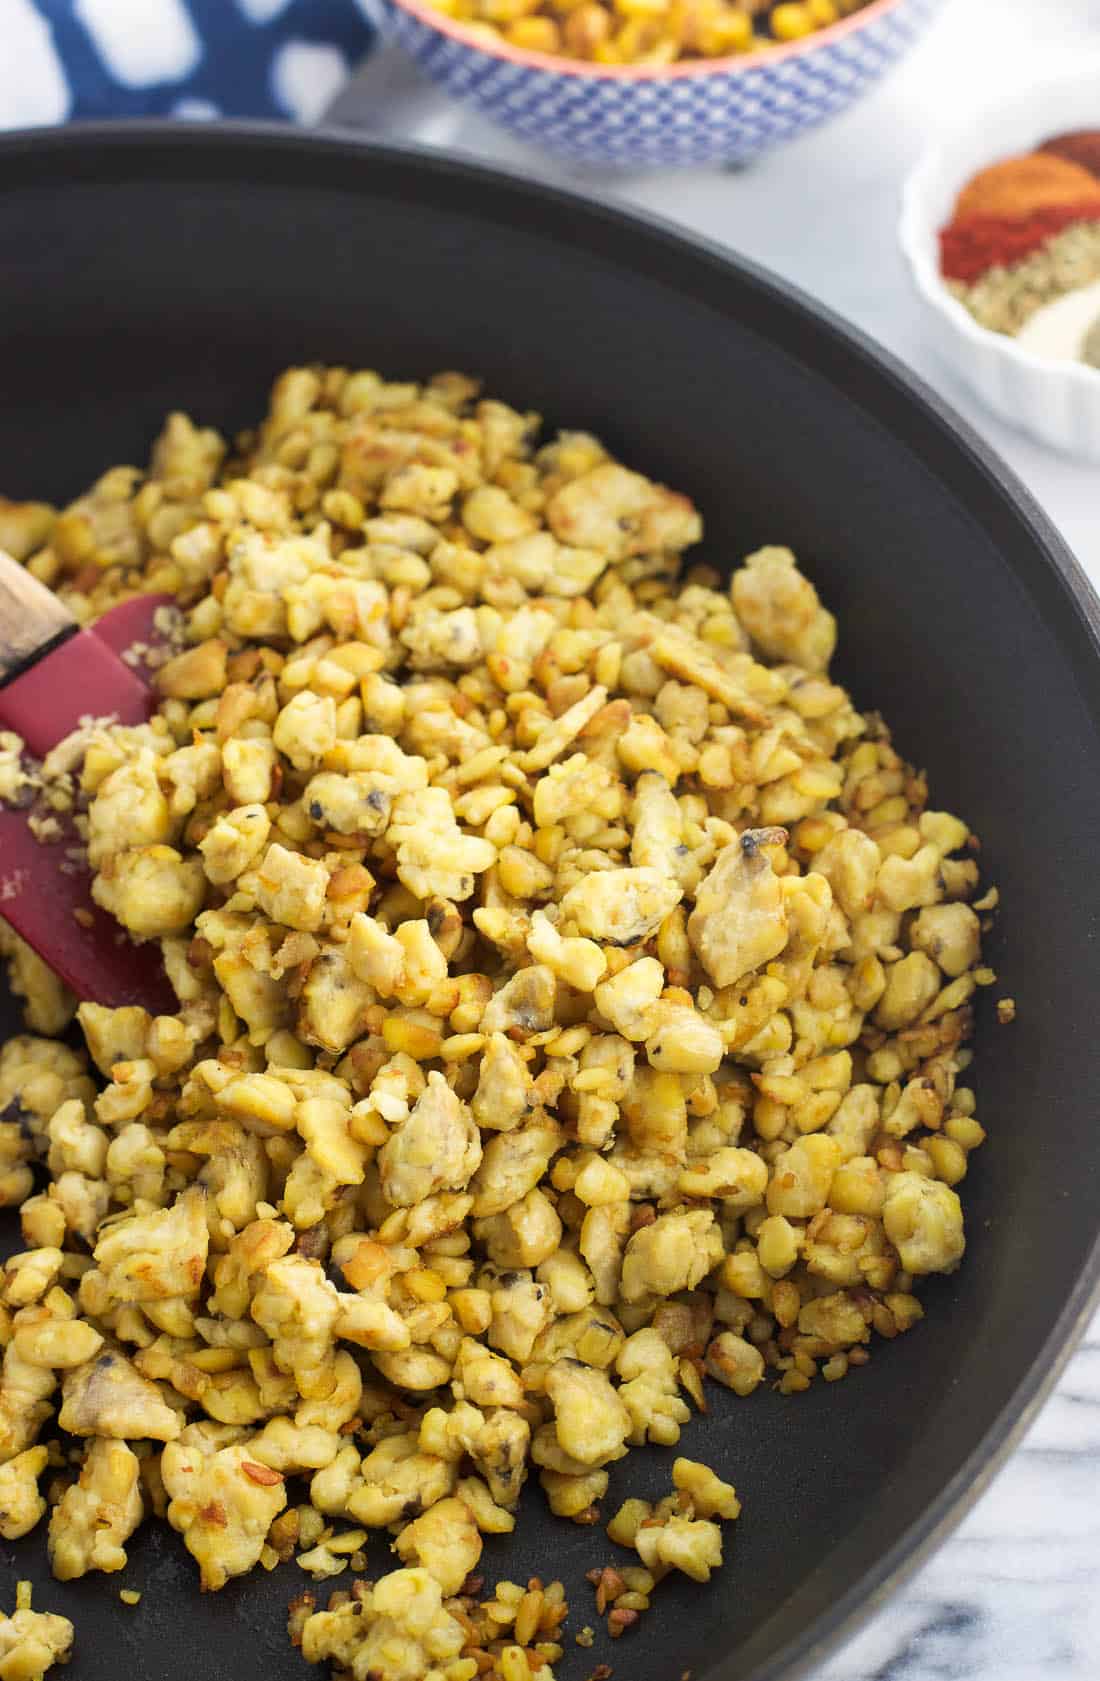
42 886
84 677
41 892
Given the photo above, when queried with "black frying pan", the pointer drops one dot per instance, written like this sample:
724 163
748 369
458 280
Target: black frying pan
146 269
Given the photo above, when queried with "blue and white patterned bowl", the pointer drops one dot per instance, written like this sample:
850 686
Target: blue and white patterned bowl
695 112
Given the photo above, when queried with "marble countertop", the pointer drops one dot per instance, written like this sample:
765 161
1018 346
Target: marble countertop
1014 1594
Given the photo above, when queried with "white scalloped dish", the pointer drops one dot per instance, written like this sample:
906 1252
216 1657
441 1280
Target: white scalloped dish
1057 402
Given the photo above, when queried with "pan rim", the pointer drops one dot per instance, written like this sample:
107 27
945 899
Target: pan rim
63 156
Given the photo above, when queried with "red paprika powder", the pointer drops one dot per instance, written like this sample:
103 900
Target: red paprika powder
1009 209
971 245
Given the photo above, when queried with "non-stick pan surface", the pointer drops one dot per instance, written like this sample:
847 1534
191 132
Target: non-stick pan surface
146 269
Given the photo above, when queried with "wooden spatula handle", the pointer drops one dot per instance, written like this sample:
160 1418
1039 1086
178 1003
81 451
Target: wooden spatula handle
32 619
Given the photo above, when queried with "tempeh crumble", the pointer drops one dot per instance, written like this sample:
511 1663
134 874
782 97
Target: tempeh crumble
574 995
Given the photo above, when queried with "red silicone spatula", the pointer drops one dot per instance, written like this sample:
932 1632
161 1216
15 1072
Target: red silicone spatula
53 674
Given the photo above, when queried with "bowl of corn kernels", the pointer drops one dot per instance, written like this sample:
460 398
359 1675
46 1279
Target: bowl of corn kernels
638 83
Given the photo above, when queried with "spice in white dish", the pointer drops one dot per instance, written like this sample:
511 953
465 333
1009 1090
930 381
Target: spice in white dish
1059 330
1090 350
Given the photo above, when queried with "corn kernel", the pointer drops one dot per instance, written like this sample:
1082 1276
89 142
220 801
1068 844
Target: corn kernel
729 32
948 1159
419 1038
534 35
425 1285
791 21
473 1309
644 9
777 1245
514 1665
587 31
965 1131
743 1274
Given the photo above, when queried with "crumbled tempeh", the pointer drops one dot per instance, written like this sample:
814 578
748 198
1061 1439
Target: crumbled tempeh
574 995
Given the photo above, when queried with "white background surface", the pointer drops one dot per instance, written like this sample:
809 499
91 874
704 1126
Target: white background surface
1015 1594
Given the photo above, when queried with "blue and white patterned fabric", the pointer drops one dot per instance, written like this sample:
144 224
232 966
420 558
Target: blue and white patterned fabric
62 59
681 115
